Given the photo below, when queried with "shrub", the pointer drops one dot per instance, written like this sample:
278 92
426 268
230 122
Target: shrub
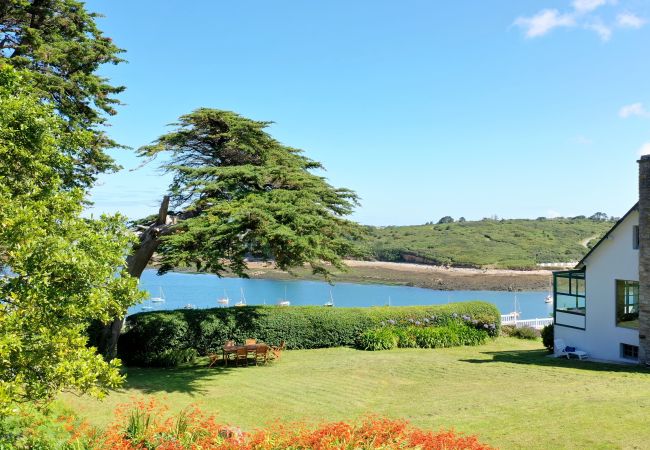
525 333
452 334
149 336
548 336
520 332
378 339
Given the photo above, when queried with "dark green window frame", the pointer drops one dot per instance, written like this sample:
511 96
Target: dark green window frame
570 292
627 303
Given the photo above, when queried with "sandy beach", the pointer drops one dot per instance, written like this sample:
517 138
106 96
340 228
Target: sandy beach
421 275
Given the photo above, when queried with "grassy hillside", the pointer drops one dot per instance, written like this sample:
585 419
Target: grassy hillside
508 244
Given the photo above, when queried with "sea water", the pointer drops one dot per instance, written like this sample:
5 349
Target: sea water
203 291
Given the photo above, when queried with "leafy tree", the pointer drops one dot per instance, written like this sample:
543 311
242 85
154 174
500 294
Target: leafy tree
240 193
599 217
446 219
58 269
462 220
58 42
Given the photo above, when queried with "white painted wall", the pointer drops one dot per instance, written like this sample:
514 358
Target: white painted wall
614 259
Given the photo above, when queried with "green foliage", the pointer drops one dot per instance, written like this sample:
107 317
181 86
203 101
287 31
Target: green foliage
244 193
378 339
60 48
520 332
28 428
548 337
149 335
507 244
453 333
59 271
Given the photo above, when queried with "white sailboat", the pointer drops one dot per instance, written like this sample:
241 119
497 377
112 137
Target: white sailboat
224 301
284 301
242 300
516 312
330 303
160 298
549 297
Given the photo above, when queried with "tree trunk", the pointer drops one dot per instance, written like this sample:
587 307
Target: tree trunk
136 263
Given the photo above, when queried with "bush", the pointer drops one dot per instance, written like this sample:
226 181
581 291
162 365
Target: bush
150 336
452 334
378 339
548 336
526 333
520 332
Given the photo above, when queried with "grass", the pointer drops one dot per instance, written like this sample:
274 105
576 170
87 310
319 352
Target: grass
505 244
507 392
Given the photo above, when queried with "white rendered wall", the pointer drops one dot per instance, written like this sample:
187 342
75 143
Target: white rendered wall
614 259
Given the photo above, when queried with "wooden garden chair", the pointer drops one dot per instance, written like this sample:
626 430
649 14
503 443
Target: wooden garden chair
242 356
277 351
261 354
250 342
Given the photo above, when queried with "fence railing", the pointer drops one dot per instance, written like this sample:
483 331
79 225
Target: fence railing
538 324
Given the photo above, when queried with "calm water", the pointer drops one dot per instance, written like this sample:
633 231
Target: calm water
203 291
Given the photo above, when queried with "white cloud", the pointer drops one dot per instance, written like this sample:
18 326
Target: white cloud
603 31
635 109
543 22
645 149
551 214
629 20
585 6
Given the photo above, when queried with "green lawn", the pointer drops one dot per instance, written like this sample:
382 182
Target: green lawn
508 392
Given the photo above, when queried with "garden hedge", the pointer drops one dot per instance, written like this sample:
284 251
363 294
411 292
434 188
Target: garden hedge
151 337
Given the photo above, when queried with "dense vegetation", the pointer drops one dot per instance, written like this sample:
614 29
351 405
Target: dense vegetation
165 338
149 425
488 243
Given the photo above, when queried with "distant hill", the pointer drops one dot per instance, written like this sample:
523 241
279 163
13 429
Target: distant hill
488 243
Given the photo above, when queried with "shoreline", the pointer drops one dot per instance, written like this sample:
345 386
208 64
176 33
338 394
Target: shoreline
416 275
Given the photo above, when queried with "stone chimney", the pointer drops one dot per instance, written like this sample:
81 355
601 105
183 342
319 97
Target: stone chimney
644 259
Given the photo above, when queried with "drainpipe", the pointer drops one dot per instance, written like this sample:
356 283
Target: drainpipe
644 259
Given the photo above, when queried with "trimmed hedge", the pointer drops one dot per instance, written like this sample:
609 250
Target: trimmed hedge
150 336
451 334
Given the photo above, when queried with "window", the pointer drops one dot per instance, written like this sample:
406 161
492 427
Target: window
629 351
635 237
627 303
570 291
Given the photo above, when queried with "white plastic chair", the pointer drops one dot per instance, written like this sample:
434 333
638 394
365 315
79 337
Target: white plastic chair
560 350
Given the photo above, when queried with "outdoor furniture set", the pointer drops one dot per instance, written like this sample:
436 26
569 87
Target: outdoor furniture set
240 354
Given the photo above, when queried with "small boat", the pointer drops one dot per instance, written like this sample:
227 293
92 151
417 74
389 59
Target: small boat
549 297
189 306
242 300
160 298
330 303
224 301
146 308
284 301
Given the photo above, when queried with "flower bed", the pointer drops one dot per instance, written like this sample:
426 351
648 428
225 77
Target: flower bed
147 425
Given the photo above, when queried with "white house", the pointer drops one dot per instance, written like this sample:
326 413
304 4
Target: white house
596 305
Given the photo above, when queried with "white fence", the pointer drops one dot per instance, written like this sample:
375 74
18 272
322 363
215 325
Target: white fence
538 324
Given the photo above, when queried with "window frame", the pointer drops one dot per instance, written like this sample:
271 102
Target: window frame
630 291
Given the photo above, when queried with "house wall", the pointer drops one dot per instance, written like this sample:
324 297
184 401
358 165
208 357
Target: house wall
614 259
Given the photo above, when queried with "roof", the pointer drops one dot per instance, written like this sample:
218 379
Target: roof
581 263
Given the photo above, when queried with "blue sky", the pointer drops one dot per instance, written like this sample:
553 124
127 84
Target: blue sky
426 109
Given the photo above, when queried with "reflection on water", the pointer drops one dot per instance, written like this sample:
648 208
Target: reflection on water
203 291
